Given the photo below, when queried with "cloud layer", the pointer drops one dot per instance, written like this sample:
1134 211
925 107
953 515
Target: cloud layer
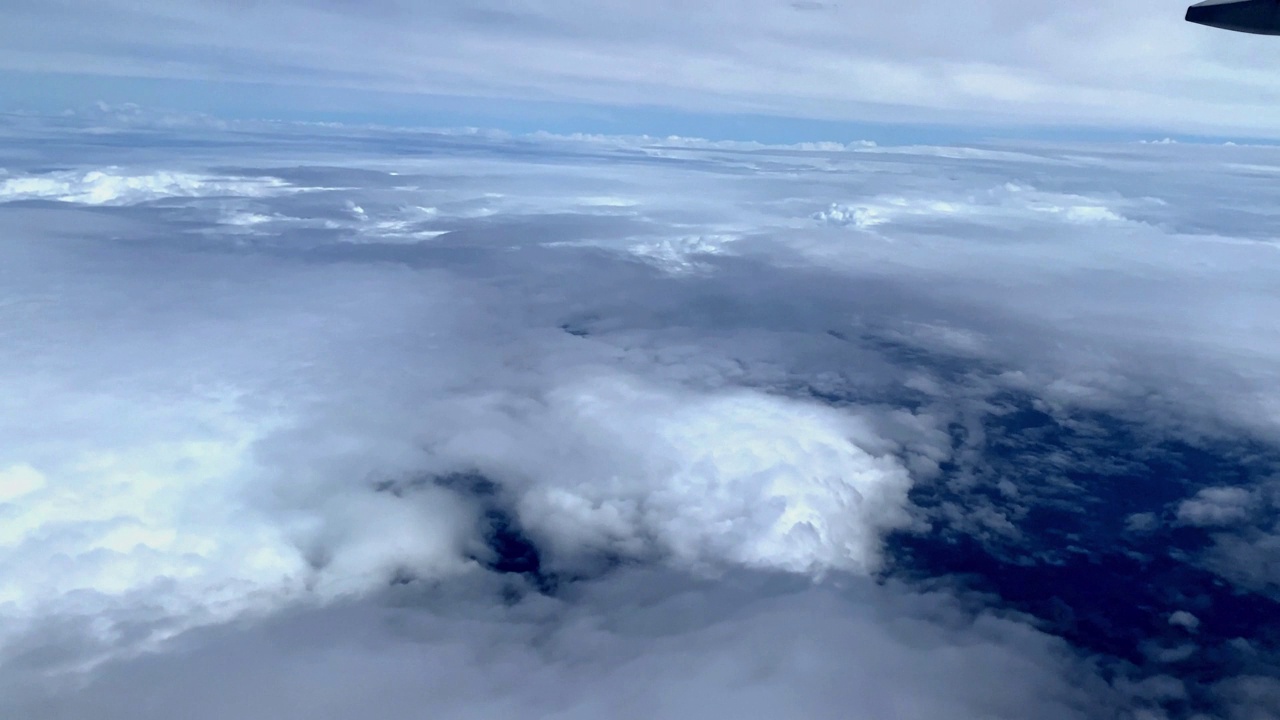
575 411
638 645
992 62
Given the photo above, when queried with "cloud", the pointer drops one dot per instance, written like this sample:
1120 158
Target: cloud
1241 523
745 478
1249 556
1251 697
114 187
1182 618
448 377
1001 62
222 455
633 645
1216 507
1003 205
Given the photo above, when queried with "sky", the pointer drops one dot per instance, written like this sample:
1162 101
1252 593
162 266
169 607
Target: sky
772 70
573 360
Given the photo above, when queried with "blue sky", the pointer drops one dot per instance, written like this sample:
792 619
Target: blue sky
769 70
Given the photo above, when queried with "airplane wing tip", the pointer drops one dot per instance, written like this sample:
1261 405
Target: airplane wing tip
1260 17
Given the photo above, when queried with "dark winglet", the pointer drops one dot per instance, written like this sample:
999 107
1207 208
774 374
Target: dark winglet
1260 17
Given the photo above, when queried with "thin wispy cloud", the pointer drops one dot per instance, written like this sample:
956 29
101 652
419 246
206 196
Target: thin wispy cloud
991 63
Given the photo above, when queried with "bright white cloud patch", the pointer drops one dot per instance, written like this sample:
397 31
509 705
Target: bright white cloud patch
741 478
1007 204
114 186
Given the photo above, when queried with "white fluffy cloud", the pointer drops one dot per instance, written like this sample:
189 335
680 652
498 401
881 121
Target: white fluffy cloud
1004 205
757 481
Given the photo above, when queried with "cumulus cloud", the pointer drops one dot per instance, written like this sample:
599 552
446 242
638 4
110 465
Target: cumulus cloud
1245 535
1184 619
1249 557
745 478
1214 507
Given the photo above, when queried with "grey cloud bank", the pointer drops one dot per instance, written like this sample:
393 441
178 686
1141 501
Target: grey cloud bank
638 645
999 62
